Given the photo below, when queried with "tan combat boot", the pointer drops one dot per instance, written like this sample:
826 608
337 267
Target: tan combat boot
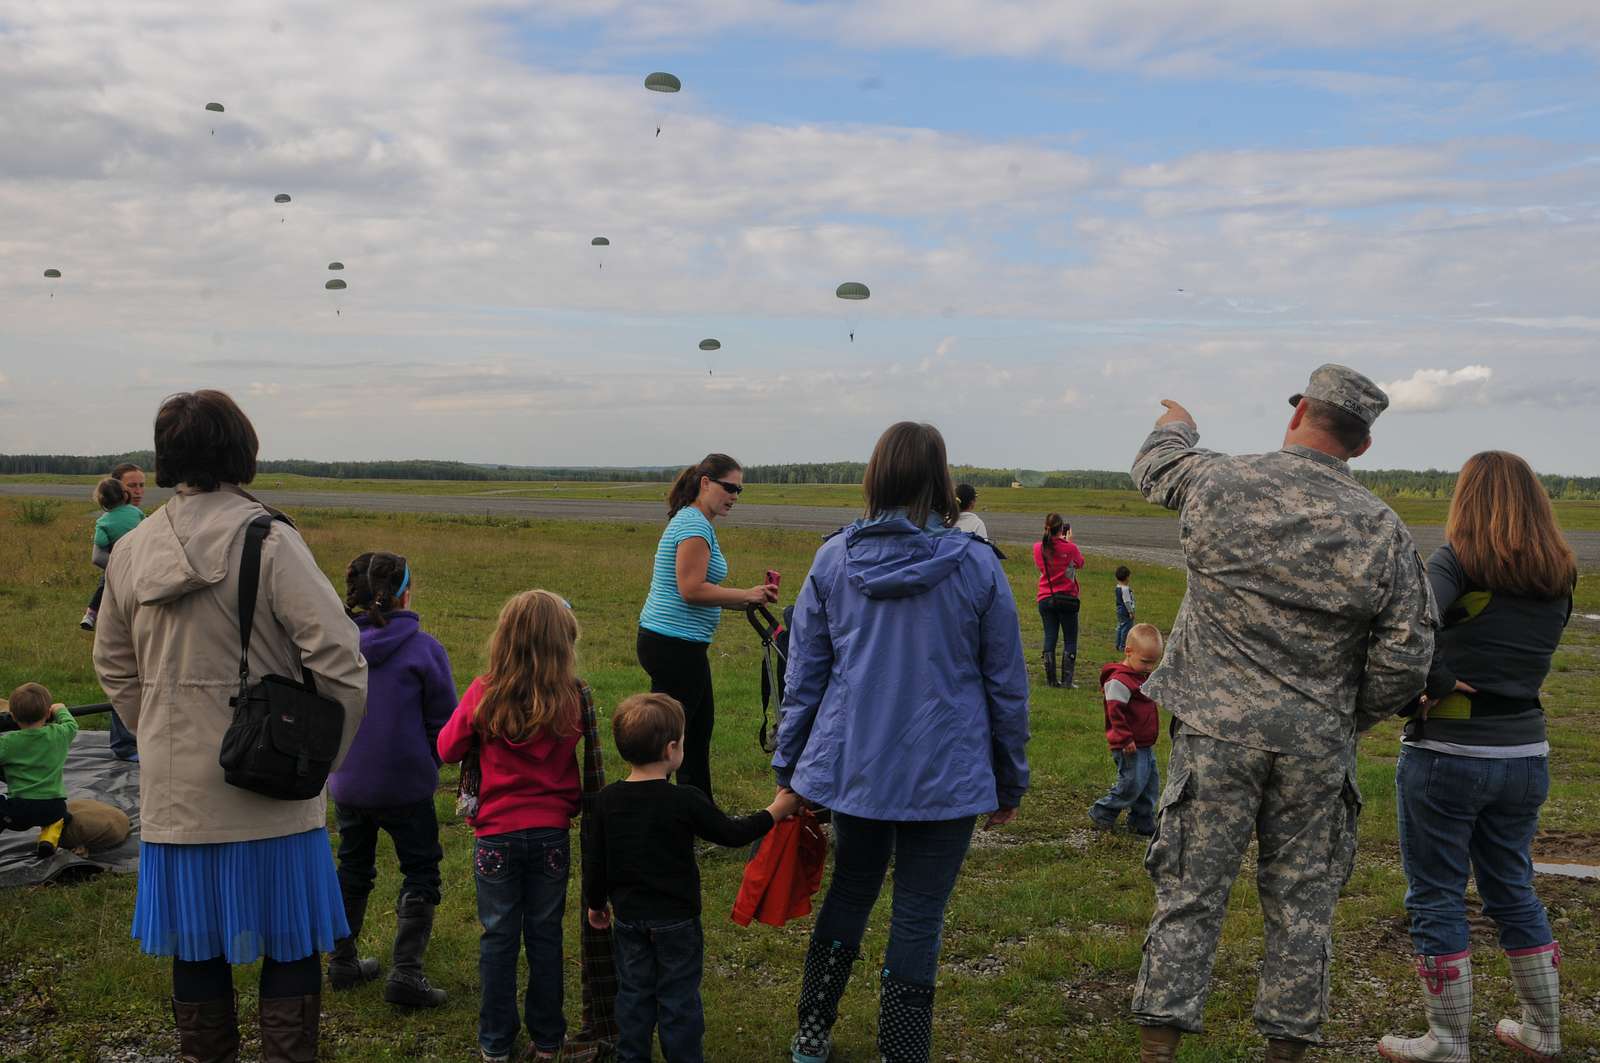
1158 1044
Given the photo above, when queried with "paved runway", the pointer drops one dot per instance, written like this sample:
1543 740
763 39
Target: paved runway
1147 538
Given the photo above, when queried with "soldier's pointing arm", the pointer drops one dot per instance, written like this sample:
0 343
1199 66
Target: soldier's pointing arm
1169 464
1401 646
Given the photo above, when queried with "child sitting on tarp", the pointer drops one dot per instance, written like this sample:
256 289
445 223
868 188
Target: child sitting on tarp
33 758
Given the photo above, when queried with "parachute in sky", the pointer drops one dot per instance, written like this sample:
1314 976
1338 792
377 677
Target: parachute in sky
55 275
708 345
661 81
336 265
281 198
854 291
218 108
600 255
336 285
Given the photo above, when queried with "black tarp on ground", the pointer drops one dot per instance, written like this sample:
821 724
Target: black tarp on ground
94 773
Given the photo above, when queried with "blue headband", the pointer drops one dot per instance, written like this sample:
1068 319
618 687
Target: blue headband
405 581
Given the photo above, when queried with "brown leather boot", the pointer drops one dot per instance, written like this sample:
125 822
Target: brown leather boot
207 1032
289 1028
1283 1050
1158 1044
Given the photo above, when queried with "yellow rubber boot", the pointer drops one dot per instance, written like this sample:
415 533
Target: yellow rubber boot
49 838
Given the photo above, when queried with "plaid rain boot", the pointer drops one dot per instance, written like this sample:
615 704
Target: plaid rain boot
1537 975
1159 1044
827 972
1447 1001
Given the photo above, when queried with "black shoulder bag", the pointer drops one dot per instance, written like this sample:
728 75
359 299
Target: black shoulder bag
284 735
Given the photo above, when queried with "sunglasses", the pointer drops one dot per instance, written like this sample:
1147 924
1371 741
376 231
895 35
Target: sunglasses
732 489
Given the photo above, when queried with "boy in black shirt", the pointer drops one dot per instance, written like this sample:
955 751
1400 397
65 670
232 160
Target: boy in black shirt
639 855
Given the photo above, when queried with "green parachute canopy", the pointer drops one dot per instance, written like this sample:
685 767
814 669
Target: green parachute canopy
599 241
336 285
852 290
281 197
711 345
215 107
52 273
661 81
336 265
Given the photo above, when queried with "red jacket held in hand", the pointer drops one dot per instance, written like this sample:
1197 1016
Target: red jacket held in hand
786 871
1130 715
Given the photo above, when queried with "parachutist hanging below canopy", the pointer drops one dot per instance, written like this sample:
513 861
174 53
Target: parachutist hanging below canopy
661 81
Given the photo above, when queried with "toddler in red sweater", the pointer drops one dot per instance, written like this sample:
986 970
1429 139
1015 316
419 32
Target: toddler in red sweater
1133 724
524 716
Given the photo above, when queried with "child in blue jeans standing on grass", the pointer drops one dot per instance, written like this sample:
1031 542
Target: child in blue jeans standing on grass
1133 725
639 856
524 716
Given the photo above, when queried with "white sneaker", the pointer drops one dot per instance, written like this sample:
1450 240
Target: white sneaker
87 623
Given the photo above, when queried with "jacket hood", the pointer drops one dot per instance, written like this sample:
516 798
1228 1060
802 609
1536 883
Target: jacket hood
893 558
188 543
1130 678
378 644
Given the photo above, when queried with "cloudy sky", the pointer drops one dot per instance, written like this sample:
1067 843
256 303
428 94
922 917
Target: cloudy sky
1064 211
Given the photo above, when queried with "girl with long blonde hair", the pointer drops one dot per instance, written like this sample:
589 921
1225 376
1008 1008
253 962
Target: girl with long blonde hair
524 717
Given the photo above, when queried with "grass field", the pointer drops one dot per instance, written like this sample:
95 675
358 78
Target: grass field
1044 931
1575 515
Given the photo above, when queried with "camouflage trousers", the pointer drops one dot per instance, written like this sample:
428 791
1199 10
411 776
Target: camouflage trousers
1303 812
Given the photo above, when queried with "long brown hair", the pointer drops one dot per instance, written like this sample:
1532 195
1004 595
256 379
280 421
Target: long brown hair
532 680
1504 530
686 488
909 470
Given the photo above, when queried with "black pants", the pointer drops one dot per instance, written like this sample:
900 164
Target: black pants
1060 613
200 981
23 813
414 830
683 669
99 593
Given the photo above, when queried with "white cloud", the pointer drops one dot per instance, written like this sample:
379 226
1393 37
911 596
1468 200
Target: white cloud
259 390
1432 390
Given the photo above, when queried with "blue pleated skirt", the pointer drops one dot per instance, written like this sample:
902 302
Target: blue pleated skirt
276 897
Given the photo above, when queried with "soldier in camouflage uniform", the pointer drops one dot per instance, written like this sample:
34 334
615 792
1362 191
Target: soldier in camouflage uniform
1307 619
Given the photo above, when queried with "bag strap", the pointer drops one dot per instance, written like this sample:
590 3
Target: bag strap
255 533
249 584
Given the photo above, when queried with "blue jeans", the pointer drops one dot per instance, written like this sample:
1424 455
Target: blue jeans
123 745
1123 627
522 895
658 988
927 858
1137 789
1455 811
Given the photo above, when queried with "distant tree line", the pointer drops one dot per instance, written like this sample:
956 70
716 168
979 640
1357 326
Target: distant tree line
1427 483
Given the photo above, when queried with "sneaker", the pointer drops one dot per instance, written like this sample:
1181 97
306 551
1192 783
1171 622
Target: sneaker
87 623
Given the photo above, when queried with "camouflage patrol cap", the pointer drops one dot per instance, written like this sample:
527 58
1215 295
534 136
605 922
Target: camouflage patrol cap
1341 386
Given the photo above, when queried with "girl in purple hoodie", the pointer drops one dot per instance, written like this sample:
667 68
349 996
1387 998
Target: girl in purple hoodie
387 781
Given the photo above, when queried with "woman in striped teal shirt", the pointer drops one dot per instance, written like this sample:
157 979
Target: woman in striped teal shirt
685 604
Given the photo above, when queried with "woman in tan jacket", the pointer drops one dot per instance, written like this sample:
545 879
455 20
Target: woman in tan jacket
225 875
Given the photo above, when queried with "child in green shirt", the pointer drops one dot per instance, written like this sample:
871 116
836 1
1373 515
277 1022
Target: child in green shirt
122 515
32 758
